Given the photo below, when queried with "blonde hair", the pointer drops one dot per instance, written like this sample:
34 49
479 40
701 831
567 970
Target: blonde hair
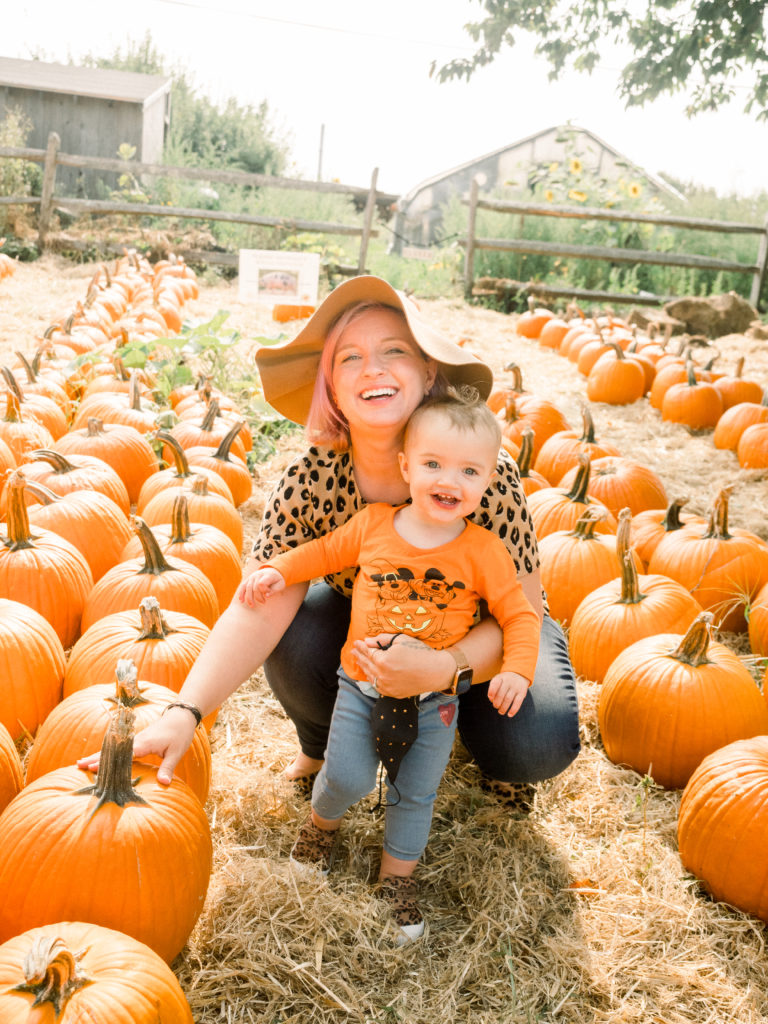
326 424
464 409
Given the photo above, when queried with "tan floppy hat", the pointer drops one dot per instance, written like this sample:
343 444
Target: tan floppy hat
288 371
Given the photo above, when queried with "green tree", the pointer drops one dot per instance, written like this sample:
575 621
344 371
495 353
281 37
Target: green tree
700 46
201 133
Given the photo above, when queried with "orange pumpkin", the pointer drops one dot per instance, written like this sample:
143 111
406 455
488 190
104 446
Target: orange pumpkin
11 772
120 445
121 844
618 483
71 971
558 508
31 667
668 701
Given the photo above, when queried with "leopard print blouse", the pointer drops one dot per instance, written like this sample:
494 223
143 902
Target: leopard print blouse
318 492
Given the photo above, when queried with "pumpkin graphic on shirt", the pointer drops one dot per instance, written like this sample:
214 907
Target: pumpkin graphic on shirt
409 605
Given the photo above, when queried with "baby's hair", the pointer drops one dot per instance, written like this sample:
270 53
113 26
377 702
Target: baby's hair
464 408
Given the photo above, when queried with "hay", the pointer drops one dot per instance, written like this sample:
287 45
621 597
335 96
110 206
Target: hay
578 912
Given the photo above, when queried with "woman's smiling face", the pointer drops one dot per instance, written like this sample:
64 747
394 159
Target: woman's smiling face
379 373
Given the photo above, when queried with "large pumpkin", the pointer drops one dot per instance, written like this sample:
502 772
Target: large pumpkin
723 822
667 701
124 851
31 668
558 508
618 482
71 972
77 726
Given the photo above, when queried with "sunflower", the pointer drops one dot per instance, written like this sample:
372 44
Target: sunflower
575 165
578 195
634 189
553 166
549 195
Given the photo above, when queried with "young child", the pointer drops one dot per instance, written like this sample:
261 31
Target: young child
423 569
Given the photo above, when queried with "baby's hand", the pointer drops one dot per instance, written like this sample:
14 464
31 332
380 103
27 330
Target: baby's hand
506 691
260 585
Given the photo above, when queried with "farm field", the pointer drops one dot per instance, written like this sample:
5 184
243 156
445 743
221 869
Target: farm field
577 912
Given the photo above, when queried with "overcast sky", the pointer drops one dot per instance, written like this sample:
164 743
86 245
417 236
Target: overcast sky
358 70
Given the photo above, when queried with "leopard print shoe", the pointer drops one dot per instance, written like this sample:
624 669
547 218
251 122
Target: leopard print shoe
401 893
513 796
314 847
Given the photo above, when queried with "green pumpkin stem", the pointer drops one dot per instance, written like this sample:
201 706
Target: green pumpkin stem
114 781
153 625
52 973
693 648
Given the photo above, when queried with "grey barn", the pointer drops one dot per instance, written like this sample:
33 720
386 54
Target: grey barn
418 215
93 110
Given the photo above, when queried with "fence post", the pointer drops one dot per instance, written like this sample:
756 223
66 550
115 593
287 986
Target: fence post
46 196
469 256
762 262
370 208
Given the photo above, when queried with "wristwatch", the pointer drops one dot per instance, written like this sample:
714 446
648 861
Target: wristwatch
462 680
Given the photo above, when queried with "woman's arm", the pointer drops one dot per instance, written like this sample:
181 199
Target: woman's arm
238 645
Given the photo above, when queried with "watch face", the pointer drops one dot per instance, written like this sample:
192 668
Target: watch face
463 680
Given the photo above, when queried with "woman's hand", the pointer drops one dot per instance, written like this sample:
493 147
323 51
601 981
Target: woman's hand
168 736
401 666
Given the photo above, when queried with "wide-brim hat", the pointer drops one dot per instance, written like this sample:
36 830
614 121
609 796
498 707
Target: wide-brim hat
288 371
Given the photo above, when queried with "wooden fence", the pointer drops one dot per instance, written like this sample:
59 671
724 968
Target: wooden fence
48 202
617 255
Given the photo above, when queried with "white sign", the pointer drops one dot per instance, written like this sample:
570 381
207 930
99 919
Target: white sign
271 276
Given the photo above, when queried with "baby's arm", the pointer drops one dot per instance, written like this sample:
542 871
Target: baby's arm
261 584
506 691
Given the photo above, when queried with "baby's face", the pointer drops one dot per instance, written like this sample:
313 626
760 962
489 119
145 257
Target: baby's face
447 468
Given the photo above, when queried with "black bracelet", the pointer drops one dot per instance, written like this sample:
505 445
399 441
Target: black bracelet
187 707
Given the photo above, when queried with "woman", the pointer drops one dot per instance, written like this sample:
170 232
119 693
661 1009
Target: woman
353 375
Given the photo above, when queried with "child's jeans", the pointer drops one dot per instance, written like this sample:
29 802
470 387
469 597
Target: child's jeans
351 765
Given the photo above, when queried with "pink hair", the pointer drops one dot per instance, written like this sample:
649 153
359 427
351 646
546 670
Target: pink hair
326 424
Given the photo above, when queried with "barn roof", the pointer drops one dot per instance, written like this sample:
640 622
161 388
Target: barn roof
658 182
99 83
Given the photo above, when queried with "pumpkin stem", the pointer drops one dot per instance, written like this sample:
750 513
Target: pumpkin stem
95 426
55 459
584 528
29 370
154 560
114 783
180 531
179 455
153 625
692 649
210 415
17 519
578 491
718 516
222 452
517 377
134 392
52 973
588 432
127 685
671 520
43 494
525 455
200 485
12 383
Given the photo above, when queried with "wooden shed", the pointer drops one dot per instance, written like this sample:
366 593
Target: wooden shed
419 216
94 110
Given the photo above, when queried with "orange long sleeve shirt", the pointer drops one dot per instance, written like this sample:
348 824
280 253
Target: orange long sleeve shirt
429 593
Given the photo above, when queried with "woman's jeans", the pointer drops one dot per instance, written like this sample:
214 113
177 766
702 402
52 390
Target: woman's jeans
351 765
538 743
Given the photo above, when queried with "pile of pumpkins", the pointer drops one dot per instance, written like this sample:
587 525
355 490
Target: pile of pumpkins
622 365
640 586
112 572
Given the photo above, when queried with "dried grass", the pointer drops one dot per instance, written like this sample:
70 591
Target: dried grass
579 912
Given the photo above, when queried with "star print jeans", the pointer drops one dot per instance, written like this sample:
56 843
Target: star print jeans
351 765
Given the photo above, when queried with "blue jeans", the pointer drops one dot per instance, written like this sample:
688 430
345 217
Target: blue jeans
351 765
538 743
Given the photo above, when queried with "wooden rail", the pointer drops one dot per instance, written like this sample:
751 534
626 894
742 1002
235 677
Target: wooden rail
472 243
51 158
